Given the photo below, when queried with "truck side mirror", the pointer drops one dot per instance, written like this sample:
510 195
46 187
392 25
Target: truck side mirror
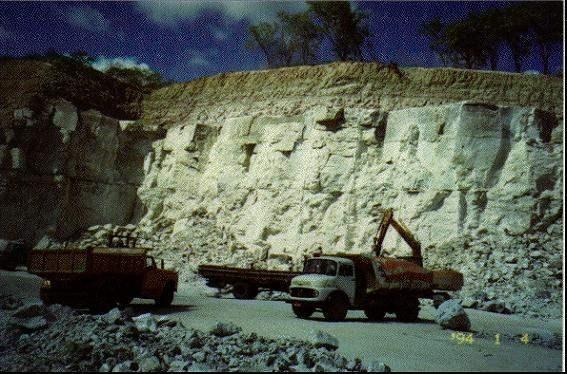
162 263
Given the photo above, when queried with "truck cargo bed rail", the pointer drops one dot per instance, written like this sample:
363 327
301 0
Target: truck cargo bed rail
219 276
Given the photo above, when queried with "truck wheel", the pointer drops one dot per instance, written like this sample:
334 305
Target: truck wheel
244 291
45 297
375 313
408 311
336 307
105 298
303 311
166 297
440 298
125 300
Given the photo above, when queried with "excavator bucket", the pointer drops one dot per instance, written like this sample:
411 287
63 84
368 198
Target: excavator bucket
447 279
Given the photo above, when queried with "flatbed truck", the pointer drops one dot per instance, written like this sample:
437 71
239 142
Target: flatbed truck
246 283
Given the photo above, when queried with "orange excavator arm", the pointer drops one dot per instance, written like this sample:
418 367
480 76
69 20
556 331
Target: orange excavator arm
404 232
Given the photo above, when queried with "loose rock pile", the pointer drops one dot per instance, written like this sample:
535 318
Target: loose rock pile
119 341
521 274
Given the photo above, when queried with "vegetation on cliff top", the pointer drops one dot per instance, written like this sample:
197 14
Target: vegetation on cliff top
143 79
476 42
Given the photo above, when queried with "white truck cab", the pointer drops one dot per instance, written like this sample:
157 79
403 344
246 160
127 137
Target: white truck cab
324 278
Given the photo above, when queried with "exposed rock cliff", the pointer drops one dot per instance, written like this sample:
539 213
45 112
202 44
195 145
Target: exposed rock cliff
65 163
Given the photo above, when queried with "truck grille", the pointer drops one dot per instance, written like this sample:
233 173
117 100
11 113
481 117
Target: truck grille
303 292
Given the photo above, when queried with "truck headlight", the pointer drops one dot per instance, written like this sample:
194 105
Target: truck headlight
46 284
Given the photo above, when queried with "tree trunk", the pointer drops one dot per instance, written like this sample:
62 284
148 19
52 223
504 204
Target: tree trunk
544 54
517 62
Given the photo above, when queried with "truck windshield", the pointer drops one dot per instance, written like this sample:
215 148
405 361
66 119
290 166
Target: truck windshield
150 262
320 266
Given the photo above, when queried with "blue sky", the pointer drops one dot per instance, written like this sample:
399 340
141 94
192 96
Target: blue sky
187 40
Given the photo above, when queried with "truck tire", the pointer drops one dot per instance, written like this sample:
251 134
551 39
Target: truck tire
303 311
45 297
336 307
9 267
105 298
408 310
440 298
375 313
244 291
167 294
125 300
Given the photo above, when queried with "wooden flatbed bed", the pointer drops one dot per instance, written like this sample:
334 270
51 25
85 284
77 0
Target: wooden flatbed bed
246 283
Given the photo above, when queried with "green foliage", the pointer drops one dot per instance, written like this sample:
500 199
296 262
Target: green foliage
289 40
80 62
475 42
435 30
304 35
82 57
545 24
271 40
512 26
343 26
294 38
146 80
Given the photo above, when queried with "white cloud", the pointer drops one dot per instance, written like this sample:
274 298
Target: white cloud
103 63
198 59
219 34
170 13
87 18
4 33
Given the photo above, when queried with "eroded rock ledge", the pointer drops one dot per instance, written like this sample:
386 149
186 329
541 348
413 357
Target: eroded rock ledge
291 91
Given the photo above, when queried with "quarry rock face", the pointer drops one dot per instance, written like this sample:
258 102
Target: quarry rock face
65 162
291 184
71 169
267 166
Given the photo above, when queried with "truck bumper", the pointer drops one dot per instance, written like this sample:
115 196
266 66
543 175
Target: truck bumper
319 295
303 302
57 296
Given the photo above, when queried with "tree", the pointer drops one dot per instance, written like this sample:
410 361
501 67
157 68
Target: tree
546 25
512 25
435 30
344 27
145 79
82 57
268 37
290 39
488 35
476 41
304 34
466 44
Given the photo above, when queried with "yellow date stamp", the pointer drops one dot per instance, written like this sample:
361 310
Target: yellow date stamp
462 337
467 338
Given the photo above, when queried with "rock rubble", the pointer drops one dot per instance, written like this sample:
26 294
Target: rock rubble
117 341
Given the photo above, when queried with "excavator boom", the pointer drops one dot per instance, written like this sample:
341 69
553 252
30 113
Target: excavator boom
404 232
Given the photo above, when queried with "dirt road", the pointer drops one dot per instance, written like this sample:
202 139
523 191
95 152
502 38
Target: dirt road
421 346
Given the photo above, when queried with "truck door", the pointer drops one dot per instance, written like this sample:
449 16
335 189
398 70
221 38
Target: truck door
346 281
153 283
